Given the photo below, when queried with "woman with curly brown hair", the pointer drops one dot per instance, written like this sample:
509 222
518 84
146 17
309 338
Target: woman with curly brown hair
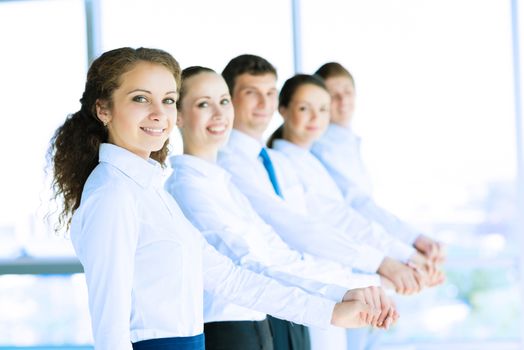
146 266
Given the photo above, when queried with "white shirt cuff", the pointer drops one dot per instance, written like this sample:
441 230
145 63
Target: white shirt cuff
400 251
368 259
318 312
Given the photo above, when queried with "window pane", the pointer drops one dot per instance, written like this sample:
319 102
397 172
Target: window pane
436 115
44 310
200 32
42 69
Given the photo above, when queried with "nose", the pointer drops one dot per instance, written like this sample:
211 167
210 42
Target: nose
263 101
157 111
314 115
218 112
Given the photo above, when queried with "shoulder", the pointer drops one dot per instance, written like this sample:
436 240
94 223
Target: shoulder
107 187
183 181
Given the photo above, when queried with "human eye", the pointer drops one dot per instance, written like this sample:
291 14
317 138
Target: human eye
140 99
203 104
302 108
225 101
169 101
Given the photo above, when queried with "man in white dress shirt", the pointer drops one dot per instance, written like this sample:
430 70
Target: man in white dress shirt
252 83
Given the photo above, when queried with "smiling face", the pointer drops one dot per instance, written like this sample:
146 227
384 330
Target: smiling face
206 114
307 115
142 111
342 93
255 101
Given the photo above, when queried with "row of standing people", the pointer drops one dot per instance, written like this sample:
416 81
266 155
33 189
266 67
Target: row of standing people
281 237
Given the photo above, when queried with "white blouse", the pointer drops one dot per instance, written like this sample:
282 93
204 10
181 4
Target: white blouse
339 151
146 266
225 217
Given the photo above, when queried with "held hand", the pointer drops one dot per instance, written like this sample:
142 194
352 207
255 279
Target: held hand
386 283
351 314
383 309
406 280
432 276
431 249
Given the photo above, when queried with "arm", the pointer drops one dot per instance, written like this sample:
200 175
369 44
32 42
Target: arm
106 243
235 230
361 200
257 292
306 233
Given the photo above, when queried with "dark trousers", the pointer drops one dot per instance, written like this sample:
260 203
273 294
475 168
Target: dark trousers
238 335
289 336
179 343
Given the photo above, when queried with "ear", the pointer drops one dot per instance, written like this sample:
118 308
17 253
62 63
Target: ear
179 120
102 111
283 112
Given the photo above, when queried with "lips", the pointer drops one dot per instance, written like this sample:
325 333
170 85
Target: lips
153 131
217 129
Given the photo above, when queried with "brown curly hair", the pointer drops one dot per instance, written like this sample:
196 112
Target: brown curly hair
73 149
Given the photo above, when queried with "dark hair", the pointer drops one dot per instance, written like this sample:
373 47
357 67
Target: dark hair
332 70
73 149
250 64
186 74
287 92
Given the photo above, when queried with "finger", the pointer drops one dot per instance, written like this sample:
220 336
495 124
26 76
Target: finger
385 305
378 304
369 301
410 283
400 288
374 302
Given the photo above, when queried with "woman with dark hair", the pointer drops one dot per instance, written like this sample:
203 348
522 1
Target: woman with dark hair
146 266
304 103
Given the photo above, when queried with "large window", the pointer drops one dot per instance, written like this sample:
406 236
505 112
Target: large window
435 111
42 70
42 67
206 33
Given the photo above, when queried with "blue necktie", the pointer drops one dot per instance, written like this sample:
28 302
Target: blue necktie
270 170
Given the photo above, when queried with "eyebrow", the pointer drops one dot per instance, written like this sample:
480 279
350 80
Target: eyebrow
254 87
149 92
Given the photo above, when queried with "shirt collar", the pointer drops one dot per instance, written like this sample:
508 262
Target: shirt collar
245 144
144 173
289 148
203 167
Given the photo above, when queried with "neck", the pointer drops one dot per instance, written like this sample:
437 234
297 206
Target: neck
206 154
294 140
344 124
251 133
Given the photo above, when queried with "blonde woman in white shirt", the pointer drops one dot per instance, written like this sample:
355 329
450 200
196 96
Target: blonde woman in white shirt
218 209
339 151
146 266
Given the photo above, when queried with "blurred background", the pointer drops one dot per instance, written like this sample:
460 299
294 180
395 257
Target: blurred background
438 110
